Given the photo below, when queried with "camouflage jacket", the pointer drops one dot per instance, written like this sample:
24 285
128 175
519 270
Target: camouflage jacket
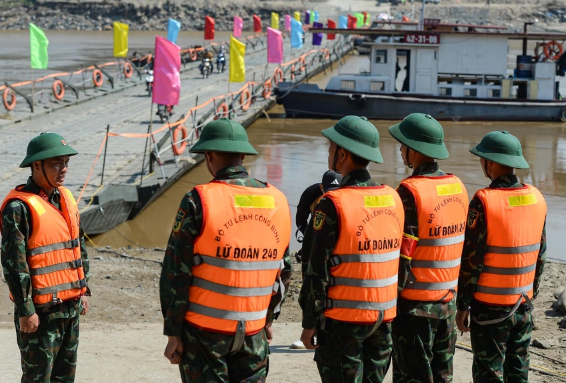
437 310
177 264
325 236
16 230
475 246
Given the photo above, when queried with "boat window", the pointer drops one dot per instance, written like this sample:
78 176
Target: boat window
348 84
381 56
496 93
470 92
445 91
376 85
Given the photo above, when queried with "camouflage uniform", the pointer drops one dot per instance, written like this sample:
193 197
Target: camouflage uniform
424 334
501 349
205 356
50 353
347 352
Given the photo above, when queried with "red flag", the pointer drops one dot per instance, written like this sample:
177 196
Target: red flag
365 17
331 24
257 24
352 21
208 28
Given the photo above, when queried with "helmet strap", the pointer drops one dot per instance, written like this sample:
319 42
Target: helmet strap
335 159
45 175
407 157
485 169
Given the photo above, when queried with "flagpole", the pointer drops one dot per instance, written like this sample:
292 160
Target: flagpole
32 90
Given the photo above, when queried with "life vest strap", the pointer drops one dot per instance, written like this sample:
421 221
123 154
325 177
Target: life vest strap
435 264
513 250
237 265
509 271
504 290
511 312
359 305
433 286
233 291
437 242
226 314
54 246
62 287
337 259
353 282
57 267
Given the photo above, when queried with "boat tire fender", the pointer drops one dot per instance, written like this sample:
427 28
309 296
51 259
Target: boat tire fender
58 89
9 95
357 101
178 150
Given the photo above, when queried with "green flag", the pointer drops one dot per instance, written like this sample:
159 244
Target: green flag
38 47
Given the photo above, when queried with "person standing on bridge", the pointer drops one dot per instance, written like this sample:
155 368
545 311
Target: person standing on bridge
502 263
349 293
436 207
226 267
45 263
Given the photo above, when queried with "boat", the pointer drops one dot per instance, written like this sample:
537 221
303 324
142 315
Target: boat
451 71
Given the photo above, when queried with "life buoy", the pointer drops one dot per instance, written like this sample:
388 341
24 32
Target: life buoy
178 150
58 89
128 70
193 54
245 100
221 111
293 72
267 89
278 76
302 63
9 105
97 78
553 50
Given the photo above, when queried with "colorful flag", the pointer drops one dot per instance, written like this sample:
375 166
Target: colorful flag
166 69
296 34
238 25
38 44
173 28
237 62
297 16
368 20
274 46
331 25
316 37
315 16
365 17
359 20
208 28
120 39
257 24
307 17
352 21
343 22
275 20
288 22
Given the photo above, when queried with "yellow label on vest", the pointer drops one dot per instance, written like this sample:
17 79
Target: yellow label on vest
255 201
69 197
523 200
36 205
448 189
379 200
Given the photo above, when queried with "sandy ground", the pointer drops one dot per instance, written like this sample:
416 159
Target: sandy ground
121 337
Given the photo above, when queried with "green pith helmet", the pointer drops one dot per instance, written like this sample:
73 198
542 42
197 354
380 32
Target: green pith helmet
502 148
44 146
422 133
223 135
358 136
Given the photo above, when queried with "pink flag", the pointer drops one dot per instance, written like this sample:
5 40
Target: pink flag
166 68
288 22
274 46
238 25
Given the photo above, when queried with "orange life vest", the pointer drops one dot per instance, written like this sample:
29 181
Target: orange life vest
238 256
515 220
442 209
53 248
365 261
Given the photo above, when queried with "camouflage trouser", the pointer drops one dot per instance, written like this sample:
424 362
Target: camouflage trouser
423 349
50 353
350 355
501 350
206 357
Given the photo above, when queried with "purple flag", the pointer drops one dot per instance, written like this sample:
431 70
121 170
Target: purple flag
316 37
288 22
307 17
166 68
238 25
274 46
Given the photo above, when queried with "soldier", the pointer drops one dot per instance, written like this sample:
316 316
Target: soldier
436 206
228 252
349 292
502 263
45 263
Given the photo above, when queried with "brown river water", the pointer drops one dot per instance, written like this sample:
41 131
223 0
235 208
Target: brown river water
293 153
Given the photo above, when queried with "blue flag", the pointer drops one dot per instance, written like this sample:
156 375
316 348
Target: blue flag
296 34
173 29
317 37
315 17
343 22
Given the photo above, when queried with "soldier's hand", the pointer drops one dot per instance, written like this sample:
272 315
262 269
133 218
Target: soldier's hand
174 349
269 332
306 338
29 324
84 303
462 320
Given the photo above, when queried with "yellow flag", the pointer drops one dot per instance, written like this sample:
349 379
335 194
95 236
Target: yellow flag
297 16
237 62
275 20
120 39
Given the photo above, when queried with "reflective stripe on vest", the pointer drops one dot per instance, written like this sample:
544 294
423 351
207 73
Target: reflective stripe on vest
238 256
515 219
365 260
442 206
53 247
